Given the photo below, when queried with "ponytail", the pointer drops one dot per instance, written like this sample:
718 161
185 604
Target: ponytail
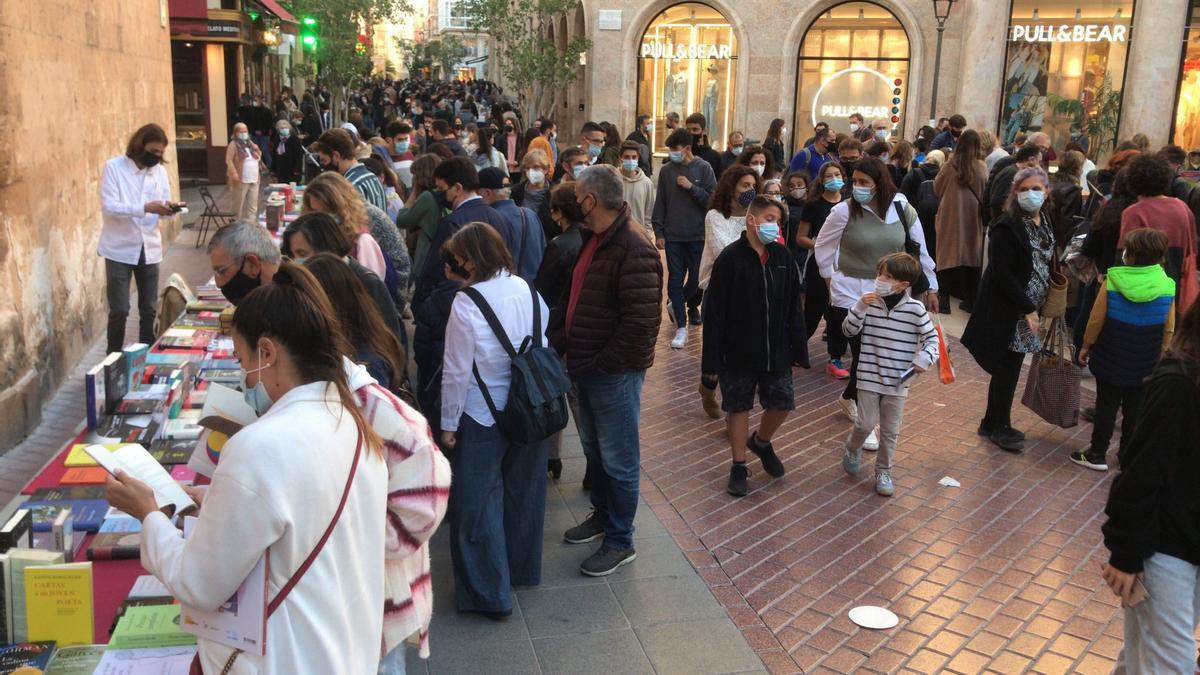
294 311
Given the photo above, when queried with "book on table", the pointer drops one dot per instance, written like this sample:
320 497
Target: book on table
116 380
17 532
76 660
58 601
150 626
115 546
86 514
137 462
61 492
83 475
21 655
135 363
93 384
19 560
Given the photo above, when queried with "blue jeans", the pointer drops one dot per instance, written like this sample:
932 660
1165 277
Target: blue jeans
683 258
608 408
1160 633
393 662
497 508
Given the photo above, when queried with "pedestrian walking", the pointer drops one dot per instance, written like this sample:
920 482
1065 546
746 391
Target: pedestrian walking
1152 533
1004 326
1131 324
752 334
816 211
774 143
606 325
639 189
685 186
959 186
898 342
135 193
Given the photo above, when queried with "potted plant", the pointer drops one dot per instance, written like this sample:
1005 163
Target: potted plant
1100 120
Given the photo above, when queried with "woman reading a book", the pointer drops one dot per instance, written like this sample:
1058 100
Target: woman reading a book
304 485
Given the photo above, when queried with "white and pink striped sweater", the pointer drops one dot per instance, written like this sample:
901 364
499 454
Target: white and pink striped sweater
418 489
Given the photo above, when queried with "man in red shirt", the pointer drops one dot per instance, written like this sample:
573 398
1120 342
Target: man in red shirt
606 326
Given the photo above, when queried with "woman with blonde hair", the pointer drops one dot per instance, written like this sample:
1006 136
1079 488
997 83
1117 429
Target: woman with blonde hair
331 193
990 149
499 486
534 191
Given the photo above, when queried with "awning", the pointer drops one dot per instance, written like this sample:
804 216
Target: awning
273 7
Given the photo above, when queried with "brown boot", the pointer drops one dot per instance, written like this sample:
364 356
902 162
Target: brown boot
708 397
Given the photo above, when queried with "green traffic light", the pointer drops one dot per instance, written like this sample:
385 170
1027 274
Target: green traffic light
308 21
310 40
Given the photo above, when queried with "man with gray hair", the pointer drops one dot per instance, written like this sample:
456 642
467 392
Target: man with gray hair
528 240
606 325
243 257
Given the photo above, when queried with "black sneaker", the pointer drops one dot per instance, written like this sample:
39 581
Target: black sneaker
766 454
1008 439
694 316
737 480
589 530
986 431
606 561
1091 461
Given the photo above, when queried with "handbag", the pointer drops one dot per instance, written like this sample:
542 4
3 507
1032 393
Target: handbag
1052 387
1055 306
945 367
195 668
912 248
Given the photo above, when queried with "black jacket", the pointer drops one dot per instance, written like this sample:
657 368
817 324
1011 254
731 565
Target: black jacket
1002 299
706 153
1153 506
999 184
558 262
1066 209
913 179
751 311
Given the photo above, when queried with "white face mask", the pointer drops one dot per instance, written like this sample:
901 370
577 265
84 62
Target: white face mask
884 288
536 176
760 169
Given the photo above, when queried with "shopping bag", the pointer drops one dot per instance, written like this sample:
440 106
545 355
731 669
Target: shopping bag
945 368
1052 387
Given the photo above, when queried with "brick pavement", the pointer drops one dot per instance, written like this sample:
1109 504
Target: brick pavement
999 575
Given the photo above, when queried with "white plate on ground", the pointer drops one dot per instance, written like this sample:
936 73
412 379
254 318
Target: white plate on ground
875 618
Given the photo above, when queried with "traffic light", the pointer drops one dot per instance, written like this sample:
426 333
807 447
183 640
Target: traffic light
308 32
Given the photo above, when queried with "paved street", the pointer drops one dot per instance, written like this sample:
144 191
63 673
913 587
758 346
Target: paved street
1000 574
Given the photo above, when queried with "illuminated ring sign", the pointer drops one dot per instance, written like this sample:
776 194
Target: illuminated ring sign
854 90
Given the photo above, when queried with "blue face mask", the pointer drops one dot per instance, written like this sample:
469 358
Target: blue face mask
862 195
768 232
834 184
746 197
737 150
629 165
675 156
593 151
256 397
285 132
577 169
402 146
1031 200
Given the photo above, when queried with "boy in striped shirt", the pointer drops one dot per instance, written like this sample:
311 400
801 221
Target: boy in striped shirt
898 342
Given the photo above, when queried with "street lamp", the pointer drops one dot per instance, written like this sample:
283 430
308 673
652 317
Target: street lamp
941 11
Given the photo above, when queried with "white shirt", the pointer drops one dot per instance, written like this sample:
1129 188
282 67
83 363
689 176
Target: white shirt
276 489
469 339
847 290
249 166
719 232
994 156
127 228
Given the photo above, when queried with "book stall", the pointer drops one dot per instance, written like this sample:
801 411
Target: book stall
75 597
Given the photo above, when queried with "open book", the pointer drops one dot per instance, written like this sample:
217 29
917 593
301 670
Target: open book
136 461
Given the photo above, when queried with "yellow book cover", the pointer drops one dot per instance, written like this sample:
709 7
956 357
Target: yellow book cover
58 603
77 457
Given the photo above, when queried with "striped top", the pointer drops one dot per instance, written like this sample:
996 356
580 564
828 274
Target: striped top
892 342
368 184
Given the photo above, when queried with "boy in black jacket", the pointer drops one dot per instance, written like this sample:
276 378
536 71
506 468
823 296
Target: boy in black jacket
752 331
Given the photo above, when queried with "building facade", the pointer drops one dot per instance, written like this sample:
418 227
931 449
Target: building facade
77 80
1089 70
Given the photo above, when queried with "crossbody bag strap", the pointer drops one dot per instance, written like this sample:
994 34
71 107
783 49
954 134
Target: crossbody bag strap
501 336
291 583
536 332
520 241
900 213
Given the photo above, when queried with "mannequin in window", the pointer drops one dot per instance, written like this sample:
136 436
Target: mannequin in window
710 94
675 91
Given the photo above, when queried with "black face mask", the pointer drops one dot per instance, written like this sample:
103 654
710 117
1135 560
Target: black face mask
697 139
848 165
442 200
956 132
149 159
237 288
452 263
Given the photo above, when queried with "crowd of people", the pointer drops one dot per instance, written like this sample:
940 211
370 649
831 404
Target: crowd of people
432 188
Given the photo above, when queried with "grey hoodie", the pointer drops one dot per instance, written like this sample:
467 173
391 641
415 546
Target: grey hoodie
678 212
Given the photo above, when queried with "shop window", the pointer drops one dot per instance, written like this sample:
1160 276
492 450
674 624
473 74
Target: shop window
1065 70
854 59
1187 108
687 63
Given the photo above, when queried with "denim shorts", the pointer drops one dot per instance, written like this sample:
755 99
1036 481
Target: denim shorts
775 391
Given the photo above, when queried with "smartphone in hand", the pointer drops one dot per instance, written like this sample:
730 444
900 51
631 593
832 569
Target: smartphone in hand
177 207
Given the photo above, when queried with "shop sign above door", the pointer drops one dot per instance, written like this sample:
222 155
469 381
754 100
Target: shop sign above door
1070 33
856 90
668 50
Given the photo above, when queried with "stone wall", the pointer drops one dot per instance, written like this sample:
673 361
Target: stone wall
76 79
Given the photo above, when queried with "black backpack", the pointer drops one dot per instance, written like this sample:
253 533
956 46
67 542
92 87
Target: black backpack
537 401
927 200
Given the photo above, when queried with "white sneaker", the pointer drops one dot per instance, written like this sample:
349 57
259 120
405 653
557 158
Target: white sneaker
872 442
680 338
850 407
